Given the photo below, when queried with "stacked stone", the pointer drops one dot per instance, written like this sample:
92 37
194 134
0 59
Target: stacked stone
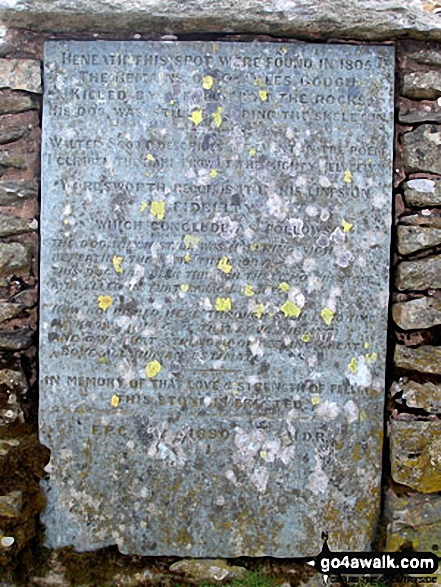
21 457
413 504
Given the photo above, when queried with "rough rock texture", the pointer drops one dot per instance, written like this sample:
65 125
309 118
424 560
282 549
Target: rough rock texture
8 310
415 520
10 225
422 192
21 74
419 275
8 135
11 504
424 359
368 19
17 340
414 54
424 85
412 238
415 454
16 104
420 313
13 257
412 112
424 396
422 149
12 193
430 218
212 571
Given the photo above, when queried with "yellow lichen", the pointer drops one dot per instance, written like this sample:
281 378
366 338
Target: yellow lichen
347 178
150 157
263 453
217 117
263 95
214 173
157 209
259 310
346 225
328 315
306 337
104 302
187 258
153 368
315 399
196 116
353 365
223 304
284 287
290 309
252 152
114 401
248 291
117 263
191 241
224 265
144 206
184 287
207 82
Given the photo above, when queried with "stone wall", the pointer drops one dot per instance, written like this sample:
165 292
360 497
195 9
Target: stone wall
413 501
22 458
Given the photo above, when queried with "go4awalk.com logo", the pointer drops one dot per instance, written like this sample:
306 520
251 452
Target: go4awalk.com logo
373 563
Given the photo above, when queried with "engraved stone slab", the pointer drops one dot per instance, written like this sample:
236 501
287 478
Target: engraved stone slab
215 251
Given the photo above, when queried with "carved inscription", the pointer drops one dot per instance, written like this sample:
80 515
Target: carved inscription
215 247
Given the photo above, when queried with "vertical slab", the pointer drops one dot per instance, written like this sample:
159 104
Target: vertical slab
215 258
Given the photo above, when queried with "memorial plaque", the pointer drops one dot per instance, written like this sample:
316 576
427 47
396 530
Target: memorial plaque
214 284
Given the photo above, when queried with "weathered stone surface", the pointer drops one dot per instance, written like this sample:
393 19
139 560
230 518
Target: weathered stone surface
211 571
415 238
8 310
14 381
6 445
14 160
424 396
422 149
423 53
21 74
13 257
419 275
415 454
425 359
16 104
202 296
9 135
428 218
12 193
415 520
11 504
419 313
15 340
424 85
10 225
423 192
412 112
367 19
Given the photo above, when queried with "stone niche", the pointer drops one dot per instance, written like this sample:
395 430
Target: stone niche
214 285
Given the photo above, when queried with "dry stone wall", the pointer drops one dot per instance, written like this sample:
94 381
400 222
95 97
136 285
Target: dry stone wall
22 458
413 503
